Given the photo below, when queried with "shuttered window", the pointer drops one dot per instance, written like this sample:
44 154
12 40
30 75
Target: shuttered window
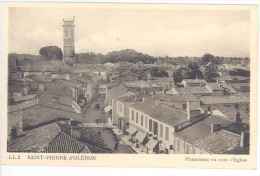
161 130
166 133
142 120
133 115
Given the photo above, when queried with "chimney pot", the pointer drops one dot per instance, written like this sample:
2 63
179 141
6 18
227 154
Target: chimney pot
212 128
242 139
20 124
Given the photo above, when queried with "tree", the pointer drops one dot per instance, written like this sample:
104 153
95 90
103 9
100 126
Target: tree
180 74
194 71
206 58
157 72
51 52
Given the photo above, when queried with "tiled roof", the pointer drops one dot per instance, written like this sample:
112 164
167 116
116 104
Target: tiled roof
62 103
128 97
201 129
117 91
230 111
24 98
216 87
35 140
59 87
220 142
245 87
160 112
193 90
224 99
63 143
99 137
175 98
194 80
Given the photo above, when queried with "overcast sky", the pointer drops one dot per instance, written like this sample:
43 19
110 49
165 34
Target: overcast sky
158 32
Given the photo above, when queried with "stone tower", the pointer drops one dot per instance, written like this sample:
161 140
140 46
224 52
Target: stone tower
68 41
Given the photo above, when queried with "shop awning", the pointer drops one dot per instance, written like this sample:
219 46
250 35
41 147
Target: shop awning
162 146
140 136
152 143
117 131
108 108
131 130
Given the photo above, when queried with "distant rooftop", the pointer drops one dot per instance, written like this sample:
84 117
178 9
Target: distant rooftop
35 140
220 142
232 99
193 90
175 98
201 129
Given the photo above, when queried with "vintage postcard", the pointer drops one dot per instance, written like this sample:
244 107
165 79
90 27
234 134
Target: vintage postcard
129 85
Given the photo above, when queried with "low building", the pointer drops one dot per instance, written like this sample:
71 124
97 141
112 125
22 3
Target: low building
220 88
193 83
177 124
120 109
22 102
228 107
160 116
48 139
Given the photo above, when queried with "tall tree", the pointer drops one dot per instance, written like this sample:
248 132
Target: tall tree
207 57
51 52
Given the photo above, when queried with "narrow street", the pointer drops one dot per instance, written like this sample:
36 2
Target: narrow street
95 111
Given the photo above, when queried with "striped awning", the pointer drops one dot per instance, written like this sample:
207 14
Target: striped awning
131 130
140 136
152 143
108 108
117 131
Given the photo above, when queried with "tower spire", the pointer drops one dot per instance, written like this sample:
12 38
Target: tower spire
68 41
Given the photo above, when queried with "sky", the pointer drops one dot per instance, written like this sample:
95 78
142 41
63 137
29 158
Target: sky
154 30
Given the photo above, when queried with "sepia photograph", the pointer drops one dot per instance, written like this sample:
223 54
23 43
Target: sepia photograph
145 85
131 81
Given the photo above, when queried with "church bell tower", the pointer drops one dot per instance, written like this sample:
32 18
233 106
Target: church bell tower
68 41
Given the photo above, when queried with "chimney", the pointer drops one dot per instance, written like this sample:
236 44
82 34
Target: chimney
20 124
135 97
238 119
242 139
70 126
188 110
209 110
212 130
